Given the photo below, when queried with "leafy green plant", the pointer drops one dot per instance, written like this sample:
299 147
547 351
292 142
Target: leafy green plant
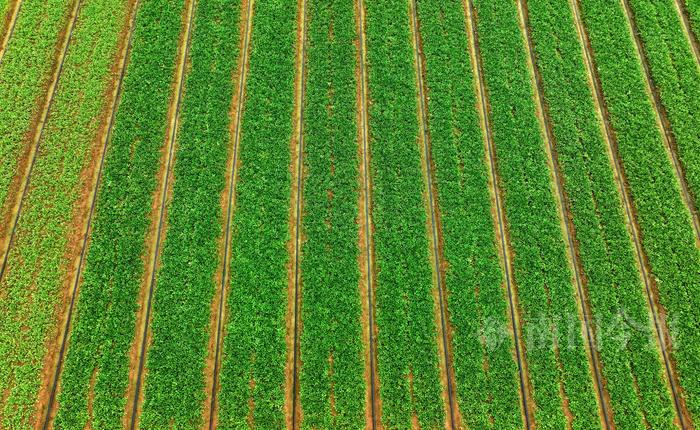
331 338
631 364
693 9
34 285
253 360
189 259
97 361
487 393
667 234
407 353
555 352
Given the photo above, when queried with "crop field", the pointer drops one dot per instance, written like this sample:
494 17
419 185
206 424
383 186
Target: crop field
366 214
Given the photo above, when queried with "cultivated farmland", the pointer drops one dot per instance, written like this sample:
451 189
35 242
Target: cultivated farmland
367 214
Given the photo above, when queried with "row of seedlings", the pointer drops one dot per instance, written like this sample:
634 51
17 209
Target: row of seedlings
253 362
408 365
331 379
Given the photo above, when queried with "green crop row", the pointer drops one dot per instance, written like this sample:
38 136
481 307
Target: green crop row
253 361
487 394
555 351
25 73
693 9
97 362
615 289
331 340
37 272
190 255
409 376
667 235
676 75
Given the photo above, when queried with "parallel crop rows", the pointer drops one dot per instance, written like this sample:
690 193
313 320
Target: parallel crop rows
630 363
487 386
676 77
96 370
407 339
189 258
216 216
667 234
24 73
542 274
331 377
37 268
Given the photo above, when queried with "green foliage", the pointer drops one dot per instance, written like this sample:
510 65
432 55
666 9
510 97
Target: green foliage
614 286
542 274
254 347
37 272
97 361
693 9
667 235
407 339
331 308
189 258
25 73
676 76
488 394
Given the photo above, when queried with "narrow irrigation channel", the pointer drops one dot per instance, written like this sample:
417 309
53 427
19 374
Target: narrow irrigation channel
124 58
297 212
662 118
432 204
608 134
173 125
16 208
230 206
525 398
10 29
366 199
586 312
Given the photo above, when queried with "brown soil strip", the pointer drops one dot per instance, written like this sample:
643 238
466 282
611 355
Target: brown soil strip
585 312
662 337
293 410
80 228
20 183
503 242
161 199
366 256
662 121
436 241
228 204
685 26
8 27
